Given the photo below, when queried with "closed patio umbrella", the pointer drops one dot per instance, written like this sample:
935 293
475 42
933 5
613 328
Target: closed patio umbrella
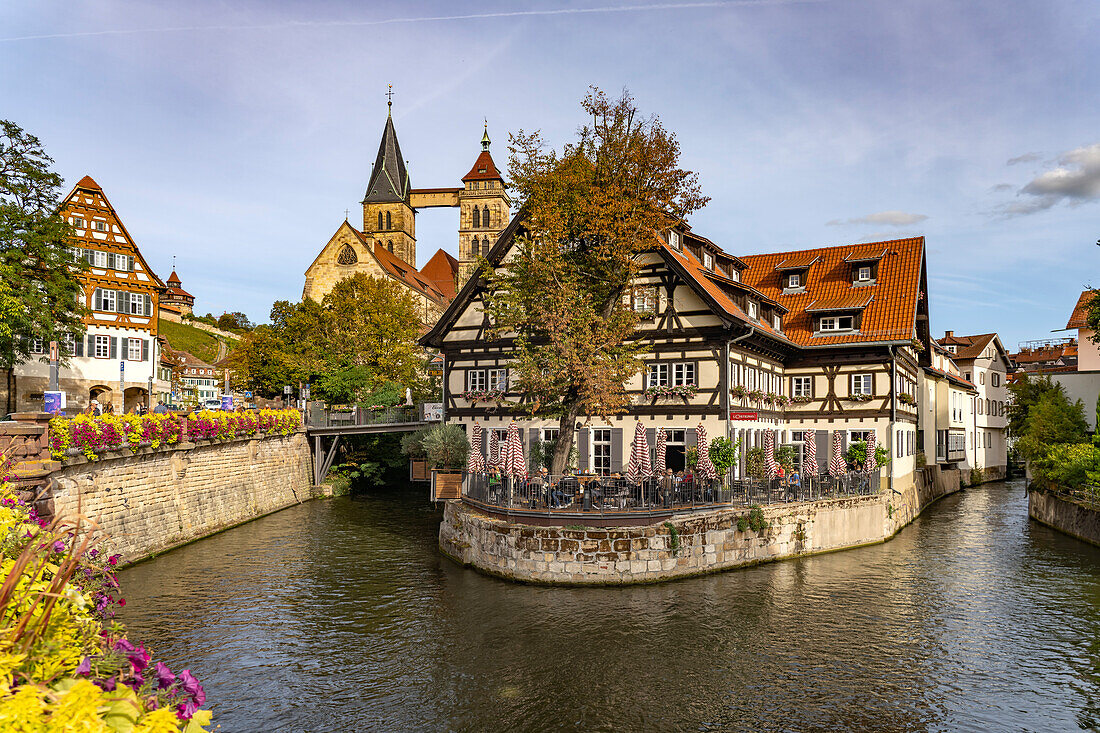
659 452
514 462
703 463
475 463
769 454
871 463
836 461
809 464
494 450
638 467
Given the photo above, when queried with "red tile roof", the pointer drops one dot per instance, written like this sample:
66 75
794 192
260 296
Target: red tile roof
1080 311
400 270
865 254
484 169
968 347
845 302
88 182
440 271
959 381
797 262
890 315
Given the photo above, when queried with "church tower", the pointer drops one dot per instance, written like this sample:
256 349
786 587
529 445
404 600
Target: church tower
484 210
388 216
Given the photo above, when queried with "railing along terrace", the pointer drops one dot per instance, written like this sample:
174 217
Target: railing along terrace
571 495
354 415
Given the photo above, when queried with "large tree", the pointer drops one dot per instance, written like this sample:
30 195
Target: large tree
38 276
589 212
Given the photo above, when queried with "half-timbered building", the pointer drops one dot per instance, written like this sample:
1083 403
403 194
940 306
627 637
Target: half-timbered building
823 339
116 360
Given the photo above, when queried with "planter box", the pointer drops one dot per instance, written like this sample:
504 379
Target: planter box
418 471
446 485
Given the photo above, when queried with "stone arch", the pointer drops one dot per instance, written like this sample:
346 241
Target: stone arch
347 256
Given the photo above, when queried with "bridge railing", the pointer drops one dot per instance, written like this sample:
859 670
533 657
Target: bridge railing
578 494
322 416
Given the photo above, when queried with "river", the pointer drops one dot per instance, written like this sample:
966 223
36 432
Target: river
342 615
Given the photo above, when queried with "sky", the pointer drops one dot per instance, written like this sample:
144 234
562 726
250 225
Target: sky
233 135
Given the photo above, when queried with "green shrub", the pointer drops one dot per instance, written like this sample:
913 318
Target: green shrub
755 460
976 475
673 538
412 444
446 446
857 455
1066 465
723 454
754 520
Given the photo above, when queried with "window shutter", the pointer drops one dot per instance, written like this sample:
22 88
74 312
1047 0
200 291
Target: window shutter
98 299
616 450
113 354
148 304
145 350
650 438
532 439
582 449
78 347
821 437
91 345
690 438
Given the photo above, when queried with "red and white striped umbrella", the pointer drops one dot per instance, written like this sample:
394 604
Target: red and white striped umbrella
659 453
514 462
475 462
836 461
769 454
871 463
809 465
703 465
638 467
494 449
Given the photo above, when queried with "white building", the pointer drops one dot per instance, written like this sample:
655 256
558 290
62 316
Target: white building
984 363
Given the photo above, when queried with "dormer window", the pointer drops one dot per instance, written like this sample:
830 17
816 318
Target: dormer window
836 323
863 274
794 280
674 239
735 274
777 323
752 310
708 261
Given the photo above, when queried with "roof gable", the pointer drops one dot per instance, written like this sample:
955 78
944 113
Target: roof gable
440 271
484 169
1080 311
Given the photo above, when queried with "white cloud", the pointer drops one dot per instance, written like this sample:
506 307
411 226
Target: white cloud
888 218
1075 181
1025 158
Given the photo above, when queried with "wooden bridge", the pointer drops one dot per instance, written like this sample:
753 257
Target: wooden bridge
324 422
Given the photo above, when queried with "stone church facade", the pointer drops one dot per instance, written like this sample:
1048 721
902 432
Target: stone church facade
385 246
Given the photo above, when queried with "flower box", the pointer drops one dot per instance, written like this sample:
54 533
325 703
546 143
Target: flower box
482 395
859 398
679 391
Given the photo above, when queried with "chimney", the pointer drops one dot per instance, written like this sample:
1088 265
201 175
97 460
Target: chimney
948 334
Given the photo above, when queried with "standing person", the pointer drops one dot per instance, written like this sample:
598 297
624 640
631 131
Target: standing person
160 409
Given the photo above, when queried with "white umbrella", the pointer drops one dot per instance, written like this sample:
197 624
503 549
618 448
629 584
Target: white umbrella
475 462
514 463
809 466
703 463
659 452
871 463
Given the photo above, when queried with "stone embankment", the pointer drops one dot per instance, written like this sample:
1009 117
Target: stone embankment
686 545
1063 514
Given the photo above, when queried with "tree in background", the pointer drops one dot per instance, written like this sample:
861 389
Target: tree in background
235 322
1054 419
1026 393
38 284
589 212
1092 316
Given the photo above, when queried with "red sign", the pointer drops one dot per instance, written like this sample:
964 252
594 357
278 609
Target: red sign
744 415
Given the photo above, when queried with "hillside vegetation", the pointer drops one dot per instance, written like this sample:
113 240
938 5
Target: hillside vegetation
203 345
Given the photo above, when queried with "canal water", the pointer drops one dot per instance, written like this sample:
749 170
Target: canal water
342 616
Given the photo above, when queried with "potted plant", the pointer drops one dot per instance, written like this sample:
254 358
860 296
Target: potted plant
412 445
739 391
446 448
756 394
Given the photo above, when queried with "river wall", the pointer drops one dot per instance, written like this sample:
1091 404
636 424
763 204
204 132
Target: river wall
147 501
686 545
1064 515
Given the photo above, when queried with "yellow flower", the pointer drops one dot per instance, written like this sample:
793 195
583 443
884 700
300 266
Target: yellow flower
159 721
78 709
22 711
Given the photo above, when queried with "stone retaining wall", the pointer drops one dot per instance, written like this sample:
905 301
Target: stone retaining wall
147 502
688 544
1064 515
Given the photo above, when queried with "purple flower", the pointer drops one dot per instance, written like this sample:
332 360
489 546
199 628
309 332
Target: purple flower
107 684
124 645
136 681
113 559
165 677
186 709
59 546
85 667
139 659
189 684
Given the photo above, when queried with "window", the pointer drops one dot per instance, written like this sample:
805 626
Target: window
601 450
77 222
674 239
379 220
980 407
981 378
133 350
389 245
794 281
102 347
389 220
966 376
549 435
485 217
996 379
99 226
476 380
862 384
498 379
99 259
836 323
68 344
752 310
777 323
863 274
708 261
735 274
38 346
683 373
104 300
485 247
644 300
656 375
858 436
802 387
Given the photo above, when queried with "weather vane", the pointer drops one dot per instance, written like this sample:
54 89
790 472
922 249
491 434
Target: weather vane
389 95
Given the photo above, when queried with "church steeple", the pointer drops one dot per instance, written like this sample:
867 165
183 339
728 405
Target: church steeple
485 209
388 217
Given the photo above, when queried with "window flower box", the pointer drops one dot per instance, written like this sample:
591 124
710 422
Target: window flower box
801 400
907 399
739 392
679 391
860 397
756 394
473 396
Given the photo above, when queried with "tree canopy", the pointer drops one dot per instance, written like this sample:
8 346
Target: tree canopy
588 213
357 345
39 289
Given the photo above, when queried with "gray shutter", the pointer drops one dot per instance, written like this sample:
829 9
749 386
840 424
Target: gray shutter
616 450
148 304
91 345
582 449
821 437
145 349
130 264
532 438
113 353
690 438
78 347
98 305
651 438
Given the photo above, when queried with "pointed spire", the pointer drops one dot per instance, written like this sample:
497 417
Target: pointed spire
389 179
485 141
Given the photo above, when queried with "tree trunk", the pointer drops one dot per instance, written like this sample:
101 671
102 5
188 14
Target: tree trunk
564 444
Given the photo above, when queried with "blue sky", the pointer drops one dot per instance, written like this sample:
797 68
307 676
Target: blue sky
234 135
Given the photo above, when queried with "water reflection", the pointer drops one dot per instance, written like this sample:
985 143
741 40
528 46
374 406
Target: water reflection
341 615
